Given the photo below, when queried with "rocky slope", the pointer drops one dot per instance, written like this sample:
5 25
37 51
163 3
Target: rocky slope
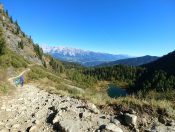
34 110
17 40
37 110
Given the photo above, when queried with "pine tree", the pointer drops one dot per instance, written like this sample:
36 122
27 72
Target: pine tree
20 45
11 19
44 64
2 43
6 12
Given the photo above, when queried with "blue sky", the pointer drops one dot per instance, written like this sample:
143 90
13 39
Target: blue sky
134 27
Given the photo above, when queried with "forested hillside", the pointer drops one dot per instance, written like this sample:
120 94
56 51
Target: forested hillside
137 61
160 75
165 63
126 74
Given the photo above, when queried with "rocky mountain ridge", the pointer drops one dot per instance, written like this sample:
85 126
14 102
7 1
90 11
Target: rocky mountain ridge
86 58
16 40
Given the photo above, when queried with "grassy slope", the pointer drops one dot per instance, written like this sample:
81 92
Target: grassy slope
13 62
12 59
54 83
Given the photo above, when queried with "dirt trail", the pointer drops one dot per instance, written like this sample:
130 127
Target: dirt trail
12 78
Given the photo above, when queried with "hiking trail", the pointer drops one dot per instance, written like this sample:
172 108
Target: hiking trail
35 110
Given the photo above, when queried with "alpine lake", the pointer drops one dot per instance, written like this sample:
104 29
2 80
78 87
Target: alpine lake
115 91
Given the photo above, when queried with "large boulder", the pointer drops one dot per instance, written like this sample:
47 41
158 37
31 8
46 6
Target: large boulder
56 119
130 119
33 129
113 128
93 108
161 128
4 130
170 123
162 119
16 126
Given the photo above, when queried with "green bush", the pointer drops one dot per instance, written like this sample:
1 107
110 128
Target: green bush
38 72
56 65
3 88
12 59
38 51
21 45
84 81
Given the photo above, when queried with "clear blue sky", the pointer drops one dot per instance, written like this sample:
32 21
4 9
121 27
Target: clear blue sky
134 27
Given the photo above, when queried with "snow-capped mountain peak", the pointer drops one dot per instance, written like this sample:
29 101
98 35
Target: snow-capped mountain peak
84 57
64 50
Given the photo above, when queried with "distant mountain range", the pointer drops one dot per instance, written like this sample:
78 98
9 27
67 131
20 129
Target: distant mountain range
132 61
86 58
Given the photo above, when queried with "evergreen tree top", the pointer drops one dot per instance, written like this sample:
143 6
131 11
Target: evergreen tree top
1 6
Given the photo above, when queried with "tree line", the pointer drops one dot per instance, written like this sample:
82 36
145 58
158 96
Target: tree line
118 72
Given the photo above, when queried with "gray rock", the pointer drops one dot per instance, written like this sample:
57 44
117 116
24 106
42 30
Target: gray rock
147 130
130 119
170 123
86 114
162 128
131 111
93 108
3 108
136 130
33 129
113 128
116 122
162 119
38 123
144 122
121 113
56 119
16 126
4 130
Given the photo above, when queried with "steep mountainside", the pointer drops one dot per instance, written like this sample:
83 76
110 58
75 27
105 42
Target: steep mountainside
86 58
132 61
159 75
19 48
16 40
165 63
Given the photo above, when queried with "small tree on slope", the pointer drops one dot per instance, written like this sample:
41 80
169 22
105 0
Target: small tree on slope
2 43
